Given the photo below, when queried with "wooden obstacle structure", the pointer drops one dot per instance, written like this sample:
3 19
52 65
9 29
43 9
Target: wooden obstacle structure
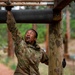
55 28
26 2
28 16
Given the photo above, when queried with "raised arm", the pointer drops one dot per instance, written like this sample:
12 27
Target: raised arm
12 28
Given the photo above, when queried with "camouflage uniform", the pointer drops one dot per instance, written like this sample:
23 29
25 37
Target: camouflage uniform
28 56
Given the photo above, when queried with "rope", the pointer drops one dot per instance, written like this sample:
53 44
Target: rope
8 2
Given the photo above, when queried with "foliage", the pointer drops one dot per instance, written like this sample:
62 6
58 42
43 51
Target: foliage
23 28
9 62
72 10
13 66
64 26
67 71
41 29
72 27
3 34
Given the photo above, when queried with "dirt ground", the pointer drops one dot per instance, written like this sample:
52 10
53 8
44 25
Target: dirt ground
4 70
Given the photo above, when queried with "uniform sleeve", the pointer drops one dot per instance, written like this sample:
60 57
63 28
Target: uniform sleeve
11 26
44 58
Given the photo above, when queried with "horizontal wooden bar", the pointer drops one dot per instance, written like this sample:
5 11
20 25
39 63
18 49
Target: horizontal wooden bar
27 4
29 16
60 4
27 0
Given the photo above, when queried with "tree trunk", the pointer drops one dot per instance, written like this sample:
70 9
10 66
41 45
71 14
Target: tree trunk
10 45
55 49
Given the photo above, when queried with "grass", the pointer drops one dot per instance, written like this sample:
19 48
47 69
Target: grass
9 62
67 71
43 69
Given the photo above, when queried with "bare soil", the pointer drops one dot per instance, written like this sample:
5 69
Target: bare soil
4 70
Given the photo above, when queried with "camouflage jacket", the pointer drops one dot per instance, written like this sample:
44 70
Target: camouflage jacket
28 56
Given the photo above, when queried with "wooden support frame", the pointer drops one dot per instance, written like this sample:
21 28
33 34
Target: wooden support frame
60 4
56 39
27 0
27 4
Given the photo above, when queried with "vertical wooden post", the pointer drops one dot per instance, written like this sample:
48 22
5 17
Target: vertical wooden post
34 26
67 34
55 47
47 38
65 42
68 22
10 45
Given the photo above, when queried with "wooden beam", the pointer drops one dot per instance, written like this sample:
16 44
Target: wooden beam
29 16
27 4
27 0
60 4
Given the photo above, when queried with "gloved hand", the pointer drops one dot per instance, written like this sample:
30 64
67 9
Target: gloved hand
64 63
8 8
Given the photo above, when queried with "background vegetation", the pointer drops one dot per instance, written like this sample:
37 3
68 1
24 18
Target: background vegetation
41 29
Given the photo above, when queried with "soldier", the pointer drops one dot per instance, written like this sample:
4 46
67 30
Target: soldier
28 52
